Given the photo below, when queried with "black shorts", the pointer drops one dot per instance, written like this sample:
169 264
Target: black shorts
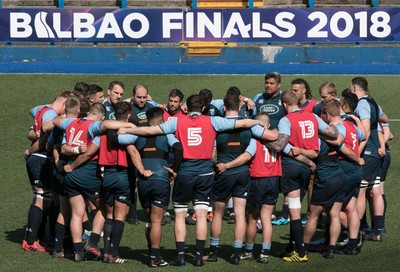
235 185
326 192
385 166
85 181
263 191
371 168
38 167
192 188
154 192
116 185
294 177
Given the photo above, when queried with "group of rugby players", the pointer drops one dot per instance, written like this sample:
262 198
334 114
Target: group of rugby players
88 151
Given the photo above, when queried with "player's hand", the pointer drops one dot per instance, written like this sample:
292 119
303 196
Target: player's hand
184 109
296 151
220 168
381 152
26 154
313 166
147 173
38 134
68 168
82 148
60 166
121 130
250 104
172 174
361 161
148 98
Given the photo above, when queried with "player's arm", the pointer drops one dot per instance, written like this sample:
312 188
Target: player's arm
279 144
383 118
301 158
32 135
82 158
47 126
250 103
33 148
141 131
247 123
40 144
57 121
242 159
349 154
284 127
114 124
328 132
359 124
382 148
137 161
214 155
177 149
339 139
69 150
387 134
367 126
311 154
264 133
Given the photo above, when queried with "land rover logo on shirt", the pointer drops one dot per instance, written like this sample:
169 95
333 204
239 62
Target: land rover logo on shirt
269 108
142 116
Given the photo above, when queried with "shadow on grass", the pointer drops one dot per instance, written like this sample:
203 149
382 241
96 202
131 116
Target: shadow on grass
15 236
168 254
142 255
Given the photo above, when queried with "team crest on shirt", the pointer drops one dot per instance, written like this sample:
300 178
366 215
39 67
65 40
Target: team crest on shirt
261 101
212 112
142 116
112 116
270 109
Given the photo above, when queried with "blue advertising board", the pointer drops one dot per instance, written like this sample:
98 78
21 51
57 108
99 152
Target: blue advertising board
176 25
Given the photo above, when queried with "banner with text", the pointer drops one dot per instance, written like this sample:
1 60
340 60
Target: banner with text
176 25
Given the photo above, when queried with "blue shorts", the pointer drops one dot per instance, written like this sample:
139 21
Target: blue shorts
154 192
116 185
192 188
235 185
263 191
326 192
85 181
371 168
38 167
294 177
